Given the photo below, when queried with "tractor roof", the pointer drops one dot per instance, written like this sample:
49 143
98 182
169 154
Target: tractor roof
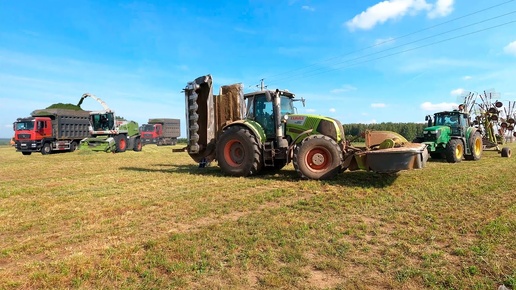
282 92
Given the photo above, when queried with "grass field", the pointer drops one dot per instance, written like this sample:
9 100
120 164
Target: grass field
153 220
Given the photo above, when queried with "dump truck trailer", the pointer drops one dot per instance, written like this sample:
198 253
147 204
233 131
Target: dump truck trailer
160 131
50 130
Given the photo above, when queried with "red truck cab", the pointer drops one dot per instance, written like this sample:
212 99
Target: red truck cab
151 133
30 132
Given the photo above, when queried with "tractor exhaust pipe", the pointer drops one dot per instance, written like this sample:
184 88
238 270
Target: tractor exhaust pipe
280 138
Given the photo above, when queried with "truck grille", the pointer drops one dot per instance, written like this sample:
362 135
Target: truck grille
23 136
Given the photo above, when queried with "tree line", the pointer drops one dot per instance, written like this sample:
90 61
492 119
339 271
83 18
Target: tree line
407 130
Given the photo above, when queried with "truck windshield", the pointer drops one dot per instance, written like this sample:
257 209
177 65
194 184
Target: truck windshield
25 125
147 128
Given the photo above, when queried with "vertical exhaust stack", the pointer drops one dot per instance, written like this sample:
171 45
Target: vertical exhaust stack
200 119
280 138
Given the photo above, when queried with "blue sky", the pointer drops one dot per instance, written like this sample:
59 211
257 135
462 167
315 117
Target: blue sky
357 60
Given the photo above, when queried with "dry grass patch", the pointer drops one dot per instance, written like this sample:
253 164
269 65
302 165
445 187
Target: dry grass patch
152 219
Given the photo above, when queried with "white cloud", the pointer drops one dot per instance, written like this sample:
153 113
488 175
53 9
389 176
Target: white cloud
467 78
307 8
442 8
458 92
378 105
332 110
343 89
510 48
428 106
396 9
383 11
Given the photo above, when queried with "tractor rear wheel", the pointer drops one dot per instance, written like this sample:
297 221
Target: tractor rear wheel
137 144
121 143
238 153
454 151
318 157
506 152
475 143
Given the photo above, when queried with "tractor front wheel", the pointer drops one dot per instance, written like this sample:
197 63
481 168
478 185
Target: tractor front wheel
238 153
454 151
476 146
121 143
318 157
137 144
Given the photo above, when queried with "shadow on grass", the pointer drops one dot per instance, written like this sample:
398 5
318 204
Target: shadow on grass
347 178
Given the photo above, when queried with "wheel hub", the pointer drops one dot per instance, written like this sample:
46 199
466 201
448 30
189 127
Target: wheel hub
318 159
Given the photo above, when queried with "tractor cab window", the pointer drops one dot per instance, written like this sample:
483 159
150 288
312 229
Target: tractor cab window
103 122
450 120
264 114
287 106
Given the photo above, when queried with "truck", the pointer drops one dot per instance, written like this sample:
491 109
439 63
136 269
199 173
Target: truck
108 134
451 135
50 130
160 131
261 132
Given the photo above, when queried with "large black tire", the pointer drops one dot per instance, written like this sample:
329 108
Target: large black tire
73 146
238 152
318 157
46 149
121 143
475 143
137 144
506 152
454 151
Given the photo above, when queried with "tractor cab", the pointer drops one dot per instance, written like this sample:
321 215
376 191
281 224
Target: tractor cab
260 108
102 121
456 121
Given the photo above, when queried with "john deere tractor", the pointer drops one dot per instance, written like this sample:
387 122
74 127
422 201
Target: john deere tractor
450 135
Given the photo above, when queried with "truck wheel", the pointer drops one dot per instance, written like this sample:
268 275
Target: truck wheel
26 153
476 147
73 146
46 149
318 157
121 143
238 152
137 145
454 151
506 152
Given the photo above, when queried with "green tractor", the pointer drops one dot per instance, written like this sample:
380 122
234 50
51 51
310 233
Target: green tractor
261 132
450 135
107 134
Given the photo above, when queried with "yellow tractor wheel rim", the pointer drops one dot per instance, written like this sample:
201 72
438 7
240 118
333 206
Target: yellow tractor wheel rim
478 146
459 151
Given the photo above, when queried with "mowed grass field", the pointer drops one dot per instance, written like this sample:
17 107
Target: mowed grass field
154 220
